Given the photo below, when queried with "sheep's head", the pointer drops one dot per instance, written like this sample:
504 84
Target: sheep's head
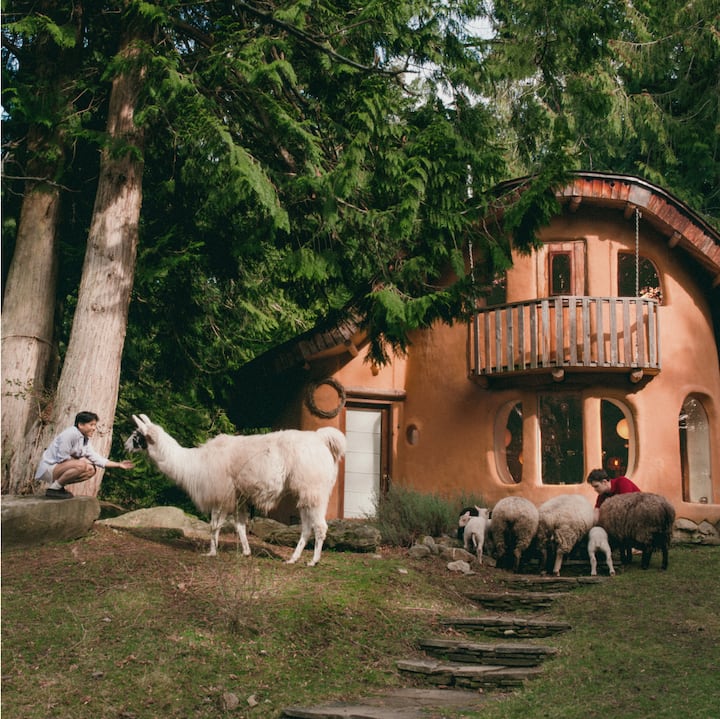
464 519
145 434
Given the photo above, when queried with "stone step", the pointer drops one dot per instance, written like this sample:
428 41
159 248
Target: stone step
399 703
512 601
467 676
507 626
508 655
550 584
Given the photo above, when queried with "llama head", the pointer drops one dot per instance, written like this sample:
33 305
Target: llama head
145 434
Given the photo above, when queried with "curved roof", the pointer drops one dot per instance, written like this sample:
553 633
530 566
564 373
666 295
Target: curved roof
683 227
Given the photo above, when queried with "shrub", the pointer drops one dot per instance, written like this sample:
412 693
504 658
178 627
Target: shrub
403 515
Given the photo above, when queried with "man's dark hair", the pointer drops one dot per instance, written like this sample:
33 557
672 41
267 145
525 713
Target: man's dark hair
85 417
597 475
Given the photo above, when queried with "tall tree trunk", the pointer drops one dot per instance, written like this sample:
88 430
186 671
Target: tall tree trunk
90 374
27 328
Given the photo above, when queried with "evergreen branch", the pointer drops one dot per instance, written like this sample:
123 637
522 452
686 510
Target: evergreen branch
292 30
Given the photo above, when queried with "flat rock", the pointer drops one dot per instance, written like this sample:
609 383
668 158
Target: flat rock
32 520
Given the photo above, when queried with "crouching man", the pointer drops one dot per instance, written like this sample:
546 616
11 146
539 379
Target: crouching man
71 458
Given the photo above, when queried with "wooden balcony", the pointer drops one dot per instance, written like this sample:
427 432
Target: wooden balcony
559 334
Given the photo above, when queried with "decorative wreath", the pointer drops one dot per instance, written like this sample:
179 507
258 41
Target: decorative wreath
310 398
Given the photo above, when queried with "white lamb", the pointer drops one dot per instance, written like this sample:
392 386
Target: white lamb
563 521
227 473
598 541
476 529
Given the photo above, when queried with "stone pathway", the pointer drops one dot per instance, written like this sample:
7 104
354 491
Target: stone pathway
460 673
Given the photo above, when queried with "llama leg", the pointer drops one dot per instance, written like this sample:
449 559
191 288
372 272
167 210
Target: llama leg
320 531
241 520
217 518
310 523
304 536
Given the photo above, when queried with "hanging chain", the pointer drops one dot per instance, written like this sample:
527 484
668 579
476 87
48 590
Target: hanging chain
471 262
637 252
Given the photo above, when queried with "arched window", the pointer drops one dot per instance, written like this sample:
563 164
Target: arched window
648 280
695 451
618 438
509 443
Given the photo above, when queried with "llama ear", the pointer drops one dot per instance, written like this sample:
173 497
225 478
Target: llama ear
145 419
139 423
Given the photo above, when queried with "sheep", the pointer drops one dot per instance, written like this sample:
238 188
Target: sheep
640 519
475 531
470 512
563 521
514 524
227 473
598 541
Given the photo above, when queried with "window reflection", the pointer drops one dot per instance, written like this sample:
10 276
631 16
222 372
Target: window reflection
561 436
514 443
615 438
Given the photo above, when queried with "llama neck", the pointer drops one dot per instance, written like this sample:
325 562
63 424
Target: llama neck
172 459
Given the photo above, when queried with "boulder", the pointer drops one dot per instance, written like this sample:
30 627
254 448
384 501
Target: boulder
162 520
30 520
689 532
352 536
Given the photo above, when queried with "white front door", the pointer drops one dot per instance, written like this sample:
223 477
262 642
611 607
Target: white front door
363 461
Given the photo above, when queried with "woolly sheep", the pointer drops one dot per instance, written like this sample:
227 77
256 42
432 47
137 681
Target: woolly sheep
563 521
514 524
598 542
640 519
227 473
475 531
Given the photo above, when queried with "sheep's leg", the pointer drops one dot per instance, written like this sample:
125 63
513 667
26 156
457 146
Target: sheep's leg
593 563
558 563
217 519
543 561
647 551
516 559
609 561
626 553
241 520
665 551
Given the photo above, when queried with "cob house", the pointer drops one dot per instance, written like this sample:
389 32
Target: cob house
600 349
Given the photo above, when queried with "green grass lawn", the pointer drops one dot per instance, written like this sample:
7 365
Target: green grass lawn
119 626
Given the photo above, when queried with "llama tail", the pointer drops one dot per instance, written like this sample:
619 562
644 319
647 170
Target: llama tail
335 441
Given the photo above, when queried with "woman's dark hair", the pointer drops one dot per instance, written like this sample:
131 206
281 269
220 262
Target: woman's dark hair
597 475
85 417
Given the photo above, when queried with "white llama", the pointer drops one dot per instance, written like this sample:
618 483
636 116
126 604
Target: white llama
227 473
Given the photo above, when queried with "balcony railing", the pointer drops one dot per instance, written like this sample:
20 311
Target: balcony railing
559 333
